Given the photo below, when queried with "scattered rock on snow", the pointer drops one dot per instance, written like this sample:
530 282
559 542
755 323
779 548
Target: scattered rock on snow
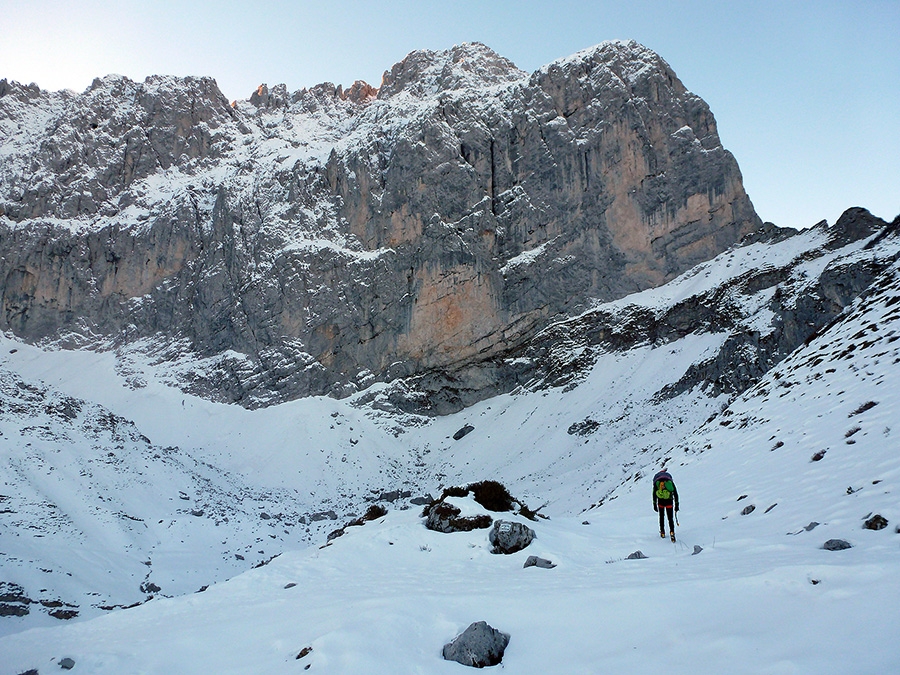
444 517
67 663
394 495
585 428
697 549
836 545
323 515
478 646
13 601
463 432
876 522
63 614
747 510
8 609
534 561
509 537
637 555
149 587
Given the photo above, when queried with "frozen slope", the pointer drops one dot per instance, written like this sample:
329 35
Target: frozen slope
762 596
116 487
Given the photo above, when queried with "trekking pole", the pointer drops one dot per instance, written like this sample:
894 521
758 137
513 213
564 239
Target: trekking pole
676 517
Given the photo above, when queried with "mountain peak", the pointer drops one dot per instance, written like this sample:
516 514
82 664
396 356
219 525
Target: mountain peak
471 64
628 60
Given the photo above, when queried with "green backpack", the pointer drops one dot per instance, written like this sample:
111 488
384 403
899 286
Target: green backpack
664 489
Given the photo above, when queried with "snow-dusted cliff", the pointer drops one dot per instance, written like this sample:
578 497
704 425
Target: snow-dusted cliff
316 241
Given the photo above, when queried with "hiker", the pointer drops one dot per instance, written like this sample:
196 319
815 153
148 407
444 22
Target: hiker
665 500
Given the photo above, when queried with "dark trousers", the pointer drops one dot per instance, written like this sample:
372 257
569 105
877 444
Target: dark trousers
662 511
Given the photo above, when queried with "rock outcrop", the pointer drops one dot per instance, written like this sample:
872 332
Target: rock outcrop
510 537
318 241
479 646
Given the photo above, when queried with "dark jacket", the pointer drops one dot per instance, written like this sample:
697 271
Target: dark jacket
659 503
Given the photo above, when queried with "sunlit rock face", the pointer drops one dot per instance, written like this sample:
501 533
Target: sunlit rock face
320 240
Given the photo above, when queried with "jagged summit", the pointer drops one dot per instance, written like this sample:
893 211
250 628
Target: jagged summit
422 73
628 58
471 64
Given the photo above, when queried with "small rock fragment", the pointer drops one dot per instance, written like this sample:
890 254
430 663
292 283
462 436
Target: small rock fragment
534 561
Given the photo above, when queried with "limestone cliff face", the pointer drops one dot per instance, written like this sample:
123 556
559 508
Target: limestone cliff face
317 241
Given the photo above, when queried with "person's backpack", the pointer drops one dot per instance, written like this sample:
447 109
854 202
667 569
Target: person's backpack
665 488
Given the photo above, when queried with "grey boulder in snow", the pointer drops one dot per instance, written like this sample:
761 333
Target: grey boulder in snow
508 537
836 545
478 646
534 561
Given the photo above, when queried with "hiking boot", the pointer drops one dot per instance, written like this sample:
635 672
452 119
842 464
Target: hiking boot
662 534
673 537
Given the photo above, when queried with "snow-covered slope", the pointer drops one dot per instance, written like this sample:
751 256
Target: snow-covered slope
106 468
743 591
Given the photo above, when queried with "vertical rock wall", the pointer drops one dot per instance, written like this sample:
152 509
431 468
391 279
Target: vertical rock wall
334 237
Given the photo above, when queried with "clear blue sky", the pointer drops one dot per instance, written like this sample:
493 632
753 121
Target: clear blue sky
806 94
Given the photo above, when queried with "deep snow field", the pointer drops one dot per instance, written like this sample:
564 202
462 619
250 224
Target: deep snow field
762 596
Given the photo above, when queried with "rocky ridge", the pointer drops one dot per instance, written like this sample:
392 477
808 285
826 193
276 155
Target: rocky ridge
322 240
762 313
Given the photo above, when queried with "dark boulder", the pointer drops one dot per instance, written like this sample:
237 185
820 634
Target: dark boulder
444 517
876 522
478 646
836 545
509 537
